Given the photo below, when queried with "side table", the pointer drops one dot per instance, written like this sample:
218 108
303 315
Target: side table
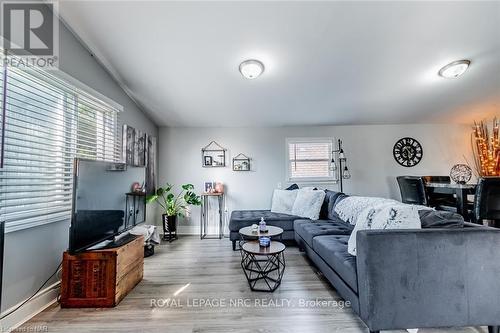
263 266
205 211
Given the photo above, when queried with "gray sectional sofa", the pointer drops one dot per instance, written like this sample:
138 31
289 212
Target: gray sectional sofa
445 274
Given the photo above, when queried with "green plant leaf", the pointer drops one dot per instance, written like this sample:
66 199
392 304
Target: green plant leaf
187 187
151 198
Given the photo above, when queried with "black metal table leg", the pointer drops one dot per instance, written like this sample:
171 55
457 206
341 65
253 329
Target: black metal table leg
263 272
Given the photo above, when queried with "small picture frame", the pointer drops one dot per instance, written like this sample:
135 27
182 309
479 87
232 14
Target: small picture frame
209 187
207 160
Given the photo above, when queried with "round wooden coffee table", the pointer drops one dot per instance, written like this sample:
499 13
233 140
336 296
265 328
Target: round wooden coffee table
263 266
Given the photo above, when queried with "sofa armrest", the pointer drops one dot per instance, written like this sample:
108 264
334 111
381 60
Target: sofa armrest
429 277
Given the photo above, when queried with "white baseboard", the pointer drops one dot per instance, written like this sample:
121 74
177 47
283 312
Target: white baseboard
188 230
37 304
191 230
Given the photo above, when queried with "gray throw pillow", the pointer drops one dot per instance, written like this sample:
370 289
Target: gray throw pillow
440 219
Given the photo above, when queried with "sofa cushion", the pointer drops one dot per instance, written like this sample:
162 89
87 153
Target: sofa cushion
333 250
440 219
308 229
245 218
292 187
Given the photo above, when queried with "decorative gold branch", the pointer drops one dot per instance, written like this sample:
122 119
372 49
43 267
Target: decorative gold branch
486 148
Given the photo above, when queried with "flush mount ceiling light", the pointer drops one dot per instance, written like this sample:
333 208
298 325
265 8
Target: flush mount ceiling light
251 69
454 69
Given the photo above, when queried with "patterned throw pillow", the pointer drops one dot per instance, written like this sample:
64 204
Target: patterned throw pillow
349 208
385 216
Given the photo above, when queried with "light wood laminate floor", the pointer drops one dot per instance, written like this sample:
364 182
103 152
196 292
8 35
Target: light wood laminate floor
185 275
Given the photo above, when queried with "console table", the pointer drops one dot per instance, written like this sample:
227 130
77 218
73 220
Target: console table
205 211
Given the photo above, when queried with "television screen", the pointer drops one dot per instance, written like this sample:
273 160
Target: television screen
103 203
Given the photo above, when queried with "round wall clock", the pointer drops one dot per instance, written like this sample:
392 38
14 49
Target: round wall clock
408 152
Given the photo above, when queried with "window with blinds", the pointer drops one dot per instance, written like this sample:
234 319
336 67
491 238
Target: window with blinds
309 159
48 123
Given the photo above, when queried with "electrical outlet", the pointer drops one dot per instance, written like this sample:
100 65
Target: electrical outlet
280 186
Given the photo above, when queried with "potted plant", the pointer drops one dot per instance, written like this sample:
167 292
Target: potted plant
173 206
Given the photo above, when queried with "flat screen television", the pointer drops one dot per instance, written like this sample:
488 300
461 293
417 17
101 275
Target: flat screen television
103 204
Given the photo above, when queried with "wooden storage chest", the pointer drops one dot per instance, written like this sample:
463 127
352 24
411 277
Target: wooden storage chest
101 278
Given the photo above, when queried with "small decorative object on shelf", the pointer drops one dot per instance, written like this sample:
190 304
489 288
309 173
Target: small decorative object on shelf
486 148
173 206
218 187
209 187
241 162
137 188
461 173
340 172
208 160
213 155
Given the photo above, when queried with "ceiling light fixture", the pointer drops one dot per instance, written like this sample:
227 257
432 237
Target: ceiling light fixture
454 69
251 69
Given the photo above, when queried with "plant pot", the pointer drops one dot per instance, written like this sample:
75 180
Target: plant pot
169 227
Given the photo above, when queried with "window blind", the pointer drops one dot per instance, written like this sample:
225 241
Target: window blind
48 123
309 159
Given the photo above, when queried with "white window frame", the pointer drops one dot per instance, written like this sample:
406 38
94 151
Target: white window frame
308 180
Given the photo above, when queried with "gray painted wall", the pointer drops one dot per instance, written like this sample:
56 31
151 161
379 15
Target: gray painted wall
32 255
368 149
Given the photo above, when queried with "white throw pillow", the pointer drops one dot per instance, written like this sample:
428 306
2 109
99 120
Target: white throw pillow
349 208
385 216
283 201
308 203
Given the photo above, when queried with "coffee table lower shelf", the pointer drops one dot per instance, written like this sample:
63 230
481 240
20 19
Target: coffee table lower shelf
263 266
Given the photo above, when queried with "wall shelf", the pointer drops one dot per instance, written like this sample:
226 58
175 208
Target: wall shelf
213 155
241 162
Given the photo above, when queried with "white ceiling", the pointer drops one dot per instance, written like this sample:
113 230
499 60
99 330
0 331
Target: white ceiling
326 63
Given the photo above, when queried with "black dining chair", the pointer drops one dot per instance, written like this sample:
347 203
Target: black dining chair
487 201
412 190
